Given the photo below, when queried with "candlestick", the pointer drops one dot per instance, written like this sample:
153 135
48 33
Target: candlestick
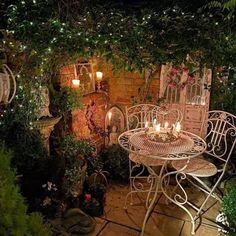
99 79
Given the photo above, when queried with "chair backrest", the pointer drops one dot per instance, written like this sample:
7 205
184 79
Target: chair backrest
138 115
172 116
221 134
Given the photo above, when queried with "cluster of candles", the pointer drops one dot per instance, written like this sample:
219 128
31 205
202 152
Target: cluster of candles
156 127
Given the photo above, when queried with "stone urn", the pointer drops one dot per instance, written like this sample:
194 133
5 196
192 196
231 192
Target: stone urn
45 127
45 122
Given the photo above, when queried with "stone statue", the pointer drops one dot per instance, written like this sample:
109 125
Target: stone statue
113 137
44 106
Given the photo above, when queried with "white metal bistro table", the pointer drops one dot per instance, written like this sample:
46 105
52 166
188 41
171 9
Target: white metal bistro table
187 146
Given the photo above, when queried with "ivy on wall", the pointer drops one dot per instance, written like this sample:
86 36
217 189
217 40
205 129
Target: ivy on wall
53 32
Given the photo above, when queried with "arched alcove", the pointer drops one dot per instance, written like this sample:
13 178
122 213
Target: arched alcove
114 124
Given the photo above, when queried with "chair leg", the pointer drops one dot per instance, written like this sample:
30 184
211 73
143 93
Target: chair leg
135 185
176 198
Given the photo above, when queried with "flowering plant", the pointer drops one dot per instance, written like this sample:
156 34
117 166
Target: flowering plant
51 204
174 77
93 200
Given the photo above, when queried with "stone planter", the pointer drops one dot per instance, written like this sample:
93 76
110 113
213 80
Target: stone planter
45 127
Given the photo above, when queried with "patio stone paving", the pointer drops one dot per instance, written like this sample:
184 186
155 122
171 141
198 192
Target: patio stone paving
165 220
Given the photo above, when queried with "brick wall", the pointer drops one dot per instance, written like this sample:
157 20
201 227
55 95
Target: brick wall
123 88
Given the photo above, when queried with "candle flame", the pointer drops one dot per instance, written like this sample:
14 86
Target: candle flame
109 115
158 128
178 127
166 125
76 82
154 122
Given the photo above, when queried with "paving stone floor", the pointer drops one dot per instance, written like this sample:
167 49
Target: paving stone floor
165 220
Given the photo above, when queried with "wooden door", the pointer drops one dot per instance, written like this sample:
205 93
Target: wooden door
187 91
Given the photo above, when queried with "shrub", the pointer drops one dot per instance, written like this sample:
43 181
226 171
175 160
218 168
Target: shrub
116 162
13 217
229 205
75 153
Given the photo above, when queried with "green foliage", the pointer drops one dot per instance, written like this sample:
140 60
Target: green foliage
75 153
73 147
223 91
36 225
13 218
26 145
65 100
157 33
229 205
116 162
25 107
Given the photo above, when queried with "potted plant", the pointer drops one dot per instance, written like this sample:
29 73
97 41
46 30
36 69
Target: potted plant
75 153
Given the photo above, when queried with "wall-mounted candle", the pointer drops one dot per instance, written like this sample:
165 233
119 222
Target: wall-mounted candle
154 122
158 128
166 125
146 124
99 75
178 127
109 117
76 82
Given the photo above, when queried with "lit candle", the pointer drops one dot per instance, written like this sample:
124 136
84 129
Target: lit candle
99 75
154 122
158 128
178 127
76 82
166 125
146 124
109 117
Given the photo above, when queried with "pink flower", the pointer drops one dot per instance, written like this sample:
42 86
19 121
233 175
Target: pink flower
175 70
88 197
191 79
173 85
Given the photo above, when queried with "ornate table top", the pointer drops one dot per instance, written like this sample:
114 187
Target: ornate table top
188 145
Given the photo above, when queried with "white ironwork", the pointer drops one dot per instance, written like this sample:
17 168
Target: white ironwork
137 117
191 97
221 140
7 85
149 152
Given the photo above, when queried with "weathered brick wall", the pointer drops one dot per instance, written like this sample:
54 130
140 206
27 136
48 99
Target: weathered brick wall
84 126
89 122
123 89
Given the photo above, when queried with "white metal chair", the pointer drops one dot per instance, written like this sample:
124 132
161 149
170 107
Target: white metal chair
136 117
220 139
